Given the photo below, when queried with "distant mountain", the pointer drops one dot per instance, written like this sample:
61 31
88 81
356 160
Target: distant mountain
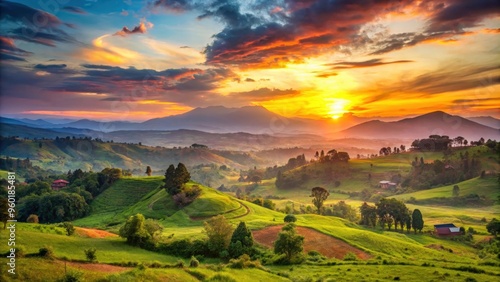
37 122
24 131
488 121
422 126
252 119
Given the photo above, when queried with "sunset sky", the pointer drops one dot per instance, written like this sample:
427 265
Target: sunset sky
137 60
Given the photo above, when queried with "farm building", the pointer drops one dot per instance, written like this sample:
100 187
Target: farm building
59 184
448 229
387 184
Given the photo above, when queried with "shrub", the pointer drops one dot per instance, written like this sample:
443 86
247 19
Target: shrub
46 252
179 264
20 251
70 229
90 254
350 256
72 276
194 262
290 218
33 218
221 278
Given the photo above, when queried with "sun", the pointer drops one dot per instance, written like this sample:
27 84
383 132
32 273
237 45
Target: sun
338 108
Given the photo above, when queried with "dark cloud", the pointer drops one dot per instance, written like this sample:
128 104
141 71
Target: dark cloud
141 28
248 79
475 100
438 82
75 10
10 52
32 18
265 34
54 69
326 74
365 64
43 38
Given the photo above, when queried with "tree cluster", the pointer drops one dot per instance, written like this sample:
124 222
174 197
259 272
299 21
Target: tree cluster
433 143
391 212
175 178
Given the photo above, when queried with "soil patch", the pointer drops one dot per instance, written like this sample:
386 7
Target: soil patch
96 267
93 233
313 240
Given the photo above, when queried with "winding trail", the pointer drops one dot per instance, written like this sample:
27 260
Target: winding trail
229 211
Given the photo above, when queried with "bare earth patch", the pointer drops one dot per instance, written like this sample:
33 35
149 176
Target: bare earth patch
93 233
96 267
327 245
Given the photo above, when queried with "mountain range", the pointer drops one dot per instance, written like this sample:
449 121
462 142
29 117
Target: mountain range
259 120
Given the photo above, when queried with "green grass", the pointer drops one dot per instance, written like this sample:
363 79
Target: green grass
488 187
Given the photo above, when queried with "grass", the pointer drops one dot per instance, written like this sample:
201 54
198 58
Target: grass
488 187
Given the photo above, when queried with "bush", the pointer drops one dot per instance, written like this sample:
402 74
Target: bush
194 262
70 229
20 251
179 264
33 218
46 252
72 276
221 278
290 218
350 256
90 254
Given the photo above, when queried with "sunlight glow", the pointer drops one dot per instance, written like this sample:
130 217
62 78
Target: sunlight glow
338 108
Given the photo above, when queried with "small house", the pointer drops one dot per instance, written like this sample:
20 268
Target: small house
384 184
448 229
59 184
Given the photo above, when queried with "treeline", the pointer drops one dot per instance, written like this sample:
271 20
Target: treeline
443 143
72 203
391 212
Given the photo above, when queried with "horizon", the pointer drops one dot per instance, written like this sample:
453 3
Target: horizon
135 61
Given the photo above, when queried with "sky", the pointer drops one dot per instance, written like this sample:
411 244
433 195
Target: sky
318 59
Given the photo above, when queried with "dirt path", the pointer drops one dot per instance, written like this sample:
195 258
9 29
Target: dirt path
229 211
327 245
93 233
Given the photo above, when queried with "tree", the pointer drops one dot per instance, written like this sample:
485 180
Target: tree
456 191
90 254
70 229
290 218
417 221
319 195
169 180
408 223
219 232
241 241
493 227
182 175
148 170
134 230
368 215
289 242
33 218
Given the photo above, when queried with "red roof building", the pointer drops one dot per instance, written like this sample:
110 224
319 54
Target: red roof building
59 184
448 229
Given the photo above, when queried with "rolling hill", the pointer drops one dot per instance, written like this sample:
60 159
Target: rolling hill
422 126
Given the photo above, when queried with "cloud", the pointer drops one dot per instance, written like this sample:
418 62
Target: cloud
273 33
32 18
43 38
75 10
54 69
263 94
10 52
439 82
248 79
365 64
141 28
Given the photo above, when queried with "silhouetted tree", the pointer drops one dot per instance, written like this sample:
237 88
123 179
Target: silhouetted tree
456 191
148 170
319 195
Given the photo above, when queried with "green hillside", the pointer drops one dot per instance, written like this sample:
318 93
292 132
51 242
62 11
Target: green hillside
65 154
488 187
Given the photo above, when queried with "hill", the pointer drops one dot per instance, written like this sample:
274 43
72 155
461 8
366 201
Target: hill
488 121
68 153
423 126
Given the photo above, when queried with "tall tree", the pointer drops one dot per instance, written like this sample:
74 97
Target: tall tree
289 242
148 170
456 191
170 180
241 241
182 175
319 195
417 221
219 232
